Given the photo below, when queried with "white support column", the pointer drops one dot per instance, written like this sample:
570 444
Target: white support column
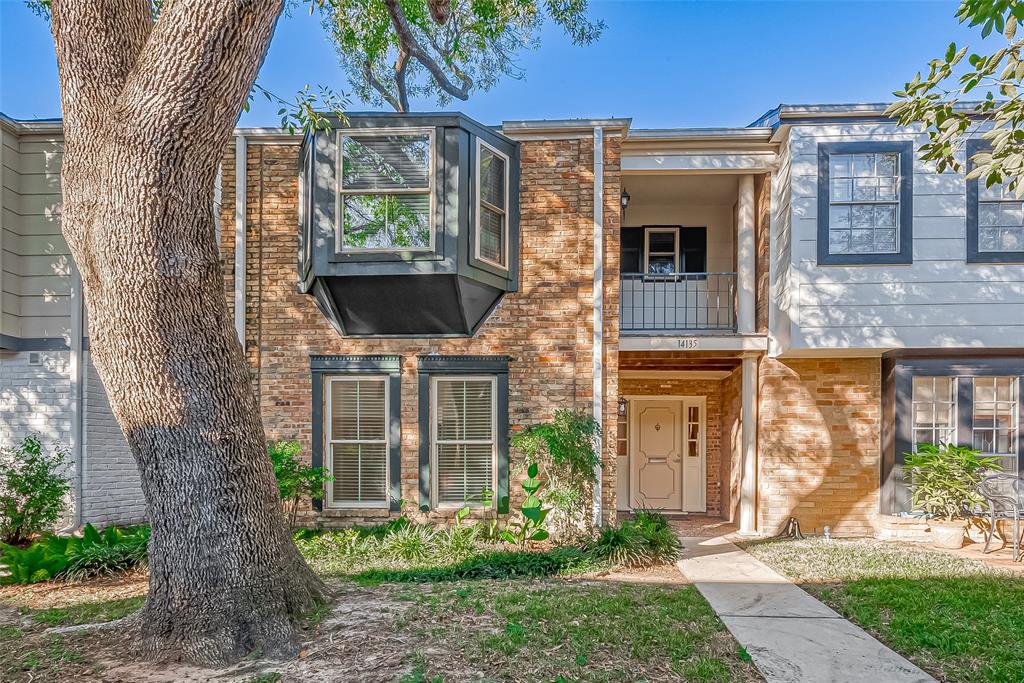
598 357
745 256
748 446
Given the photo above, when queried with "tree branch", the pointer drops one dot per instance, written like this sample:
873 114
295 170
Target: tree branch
407 41
379 87
401 64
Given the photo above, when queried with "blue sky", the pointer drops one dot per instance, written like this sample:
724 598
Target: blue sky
663 63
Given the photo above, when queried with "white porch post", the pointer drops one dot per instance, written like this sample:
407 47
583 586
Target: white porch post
745 256
748 446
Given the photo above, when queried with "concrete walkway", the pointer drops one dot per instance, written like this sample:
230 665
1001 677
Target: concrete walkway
791 636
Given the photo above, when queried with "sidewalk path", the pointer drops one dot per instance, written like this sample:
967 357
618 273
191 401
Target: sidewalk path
791 636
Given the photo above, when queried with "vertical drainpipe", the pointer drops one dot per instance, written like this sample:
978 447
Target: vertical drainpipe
598 345
75 362
241 191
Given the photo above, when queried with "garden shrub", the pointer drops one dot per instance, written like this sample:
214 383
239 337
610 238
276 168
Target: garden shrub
32 490
646 540
295 479
565 449
75 558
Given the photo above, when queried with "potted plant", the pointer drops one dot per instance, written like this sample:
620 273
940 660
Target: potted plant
944 484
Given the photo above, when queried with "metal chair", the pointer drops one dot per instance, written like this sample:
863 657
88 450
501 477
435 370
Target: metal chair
1004 495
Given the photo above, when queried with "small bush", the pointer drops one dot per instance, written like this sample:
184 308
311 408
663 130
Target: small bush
295 479
32 490
75 558
646 540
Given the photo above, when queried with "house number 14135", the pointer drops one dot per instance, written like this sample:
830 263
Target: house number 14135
689 343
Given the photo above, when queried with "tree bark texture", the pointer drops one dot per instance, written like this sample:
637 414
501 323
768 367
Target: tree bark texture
148 110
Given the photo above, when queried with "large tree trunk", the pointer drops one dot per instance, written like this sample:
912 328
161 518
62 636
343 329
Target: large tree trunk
148 110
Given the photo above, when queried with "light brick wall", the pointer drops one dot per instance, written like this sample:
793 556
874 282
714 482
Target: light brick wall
546 327
732 435
112 493
819 442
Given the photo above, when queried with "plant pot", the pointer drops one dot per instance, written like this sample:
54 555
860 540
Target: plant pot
948 534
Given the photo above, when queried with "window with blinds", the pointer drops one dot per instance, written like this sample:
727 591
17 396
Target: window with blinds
463 439
492 206
386 190
357 439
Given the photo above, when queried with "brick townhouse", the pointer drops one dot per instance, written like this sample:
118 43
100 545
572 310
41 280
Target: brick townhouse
764 319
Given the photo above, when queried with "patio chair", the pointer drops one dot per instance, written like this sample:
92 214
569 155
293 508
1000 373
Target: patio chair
1004 495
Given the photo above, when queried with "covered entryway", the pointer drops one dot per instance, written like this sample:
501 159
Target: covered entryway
668 453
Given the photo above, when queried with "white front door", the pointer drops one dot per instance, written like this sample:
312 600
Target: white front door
667 454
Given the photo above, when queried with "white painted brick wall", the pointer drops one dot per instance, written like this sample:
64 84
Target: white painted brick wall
112 491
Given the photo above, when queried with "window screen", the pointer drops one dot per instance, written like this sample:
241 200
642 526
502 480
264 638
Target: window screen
358 441
464 444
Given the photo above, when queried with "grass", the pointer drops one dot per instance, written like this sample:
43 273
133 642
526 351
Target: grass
88 612
958 619
573 631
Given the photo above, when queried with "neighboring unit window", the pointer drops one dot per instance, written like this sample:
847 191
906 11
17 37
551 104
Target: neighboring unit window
934 410
463 439
386 188
994 422
661 251
357 439
492 206
863 204
864 198
995 218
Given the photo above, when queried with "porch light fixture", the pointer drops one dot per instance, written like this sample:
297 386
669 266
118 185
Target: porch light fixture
623 404
624 199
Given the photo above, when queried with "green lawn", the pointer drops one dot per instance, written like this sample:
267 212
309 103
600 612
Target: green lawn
557 630
958 619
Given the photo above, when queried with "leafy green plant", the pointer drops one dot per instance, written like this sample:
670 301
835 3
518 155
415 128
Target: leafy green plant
295 479
565 448
74 558
944 478
644 541
530 526
32 490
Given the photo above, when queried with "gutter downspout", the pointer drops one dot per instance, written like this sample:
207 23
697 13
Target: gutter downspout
598 345
241 192
75 362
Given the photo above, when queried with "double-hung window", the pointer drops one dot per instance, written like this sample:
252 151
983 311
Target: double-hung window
463 431
864 203
464 439
934 410
358 441
995 217
994 418
661 251
386 189
491 205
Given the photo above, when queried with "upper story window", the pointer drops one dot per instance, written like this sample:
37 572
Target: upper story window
864 203
492 206
661 251
664 250
386 189
995 218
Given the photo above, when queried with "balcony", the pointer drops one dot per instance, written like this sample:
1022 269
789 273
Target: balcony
677 303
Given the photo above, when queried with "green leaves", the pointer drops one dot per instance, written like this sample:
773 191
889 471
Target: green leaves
32 490
944 478
295 479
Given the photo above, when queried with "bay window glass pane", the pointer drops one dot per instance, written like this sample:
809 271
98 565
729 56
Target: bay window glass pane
492 235
385 161
382 221
492 178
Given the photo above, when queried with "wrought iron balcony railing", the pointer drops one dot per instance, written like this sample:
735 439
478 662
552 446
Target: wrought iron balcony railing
681 302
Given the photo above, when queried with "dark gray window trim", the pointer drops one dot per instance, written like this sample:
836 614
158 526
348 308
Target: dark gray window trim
906 194
974 255
895 497
12 343
464 365
323 367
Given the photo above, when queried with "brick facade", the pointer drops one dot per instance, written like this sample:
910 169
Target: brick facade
546 327
819 440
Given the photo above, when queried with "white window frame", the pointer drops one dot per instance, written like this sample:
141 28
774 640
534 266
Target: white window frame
677 238
1015 400
434 443
480 145
953 402
329 441
341 192
851 202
